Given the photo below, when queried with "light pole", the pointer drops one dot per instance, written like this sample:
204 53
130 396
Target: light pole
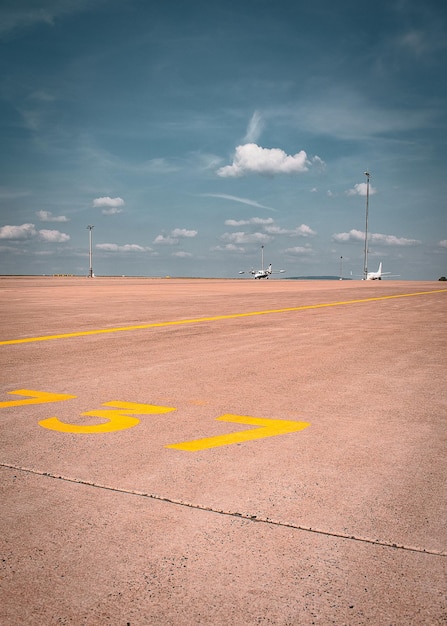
341 268
90 228
365 262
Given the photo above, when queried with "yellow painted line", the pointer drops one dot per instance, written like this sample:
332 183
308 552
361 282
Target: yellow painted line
267 427
103 331
35 397
118 418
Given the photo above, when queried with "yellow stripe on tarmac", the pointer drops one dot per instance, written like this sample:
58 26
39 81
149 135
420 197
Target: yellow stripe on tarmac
103 331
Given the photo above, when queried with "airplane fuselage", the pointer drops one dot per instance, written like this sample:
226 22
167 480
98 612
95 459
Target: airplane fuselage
261 274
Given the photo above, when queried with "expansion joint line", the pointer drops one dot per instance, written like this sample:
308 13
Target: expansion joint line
244 516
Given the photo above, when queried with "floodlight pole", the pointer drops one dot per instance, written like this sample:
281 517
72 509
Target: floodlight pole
90 228
365 263
341 268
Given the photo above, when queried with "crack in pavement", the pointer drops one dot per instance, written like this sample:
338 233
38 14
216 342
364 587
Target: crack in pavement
245 516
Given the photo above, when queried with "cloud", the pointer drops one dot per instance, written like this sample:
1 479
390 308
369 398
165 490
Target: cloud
242 237
112 211
229 247
47 216
299 250
360 190
271 228
28 231
443 243
182 232
173 238
253 159
165 240
255 128
128 247
376 238
110 205
25 14
225 196
392 240
299 231
353 235
53 236
25 231
182 255
252 220
159 166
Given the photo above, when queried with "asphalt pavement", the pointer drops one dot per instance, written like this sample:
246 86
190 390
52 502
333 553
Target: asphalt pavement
222 452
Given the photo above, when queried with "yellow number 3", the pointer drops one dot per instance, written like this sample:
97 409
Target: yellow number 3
117 418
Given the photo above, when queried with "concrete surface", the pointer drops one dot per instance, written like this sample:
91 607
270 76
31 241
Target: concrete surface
342 521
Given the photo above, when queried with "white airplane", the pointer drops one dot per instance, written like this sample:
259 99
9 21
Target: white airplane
263 273
378 275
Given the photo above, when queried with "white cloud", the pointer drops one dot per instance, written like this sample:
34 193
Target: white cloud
242 237
225 196
255 128
112 211
253 159
28 231
376 238
165 240
128 247
25 231
299 231
360 190
47 216
299 250
252 220
183 232
159 166
304 230
182 255
443 243
173 238
53 236
229 247
392 240
353 235
109 205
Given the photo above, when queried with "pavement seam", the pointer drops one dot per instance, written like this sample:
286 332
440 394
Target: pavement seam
245 516
102 331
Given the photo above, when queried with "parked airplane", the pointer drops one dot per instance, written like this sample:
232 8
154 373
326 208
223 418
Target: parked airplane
263 273
378 275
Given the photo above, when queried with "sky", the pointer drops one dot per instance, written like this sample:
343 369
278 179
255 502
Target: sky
190 133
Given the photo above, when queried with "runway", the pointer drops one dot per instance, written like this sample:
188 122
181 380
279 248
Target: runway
205 451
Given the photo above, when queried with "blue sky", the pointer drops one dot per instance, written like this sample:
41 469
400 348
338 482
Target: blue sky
191 133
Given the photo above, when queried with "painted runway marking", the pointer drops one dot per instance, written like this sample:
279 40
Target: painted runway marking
266 428
37 397
117 418
215 318
121 417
